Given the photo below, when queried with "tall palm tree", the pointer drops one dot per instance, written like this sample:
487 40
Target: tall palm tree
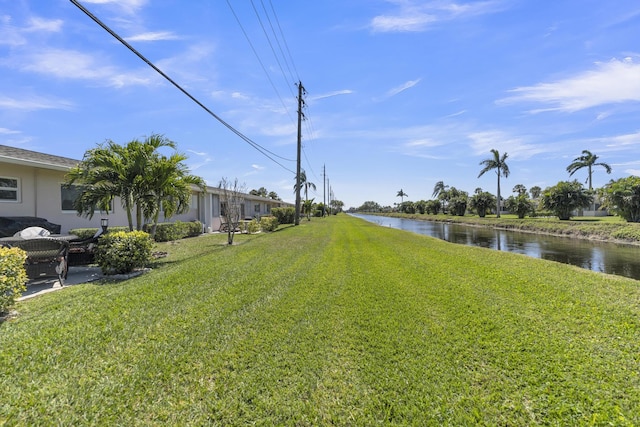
402 195
170 188
588 160
499 164
304 183
439 188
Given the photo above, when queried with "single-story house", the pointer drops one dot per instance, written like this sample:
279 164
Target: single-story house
31 184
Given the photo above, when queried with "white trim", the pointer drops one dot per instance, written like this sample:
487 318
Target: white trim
15 189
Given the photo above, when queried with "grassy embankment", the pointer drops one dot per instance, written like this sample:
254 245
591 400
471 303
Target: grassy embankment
609 228
335 322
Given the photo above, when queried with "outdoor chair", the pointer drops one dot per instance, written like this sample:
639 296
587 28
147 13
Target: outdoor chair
81 251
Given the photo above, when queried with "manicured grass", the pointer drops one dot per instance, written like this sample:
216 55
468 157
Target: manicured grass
334 322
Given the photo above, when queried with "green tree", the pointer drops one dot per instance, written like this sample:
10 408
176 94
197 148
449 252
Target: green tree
304 184
623 197
170 188
370 206
499 164
565 197
520 205
587 160
482 202
439 188
111 170
519 189
433 207
261 192
535 192
307 208
273 195
402 195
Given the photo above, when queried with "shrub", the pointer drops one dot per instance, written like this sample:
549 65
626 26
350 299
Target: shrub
168 231
565 197
623 197
13 276
284 215
253 226
122 252
269 223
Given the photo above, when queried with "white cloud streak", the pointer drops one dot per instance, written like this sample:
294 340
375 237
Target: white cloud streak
415 16
609 83
153 36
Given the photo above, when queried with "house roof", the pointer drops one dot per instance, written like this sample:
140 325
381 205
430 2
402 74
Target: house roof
20 156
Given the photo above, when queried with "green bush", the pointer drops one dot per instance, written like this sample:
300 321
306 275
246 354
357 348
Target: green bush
13 276
627 233
168 231
269 223
122 252
253 226
284 215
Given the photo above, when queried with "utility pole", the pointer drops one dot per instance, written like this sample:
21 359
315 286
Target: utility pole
329 200
324 190
301 92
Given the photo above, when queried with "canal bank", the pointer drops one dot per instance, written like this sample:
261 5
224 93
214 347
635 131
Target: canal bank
600 229
590 254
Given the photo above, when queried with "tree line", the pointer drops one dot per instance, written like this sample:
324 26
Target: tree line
621 197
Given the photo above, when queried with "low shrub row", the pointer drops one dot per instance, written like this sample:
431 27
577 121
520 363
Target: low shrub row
168 231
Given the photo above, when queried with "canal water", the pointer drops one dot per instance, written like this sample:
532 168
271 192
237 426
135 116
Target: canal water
622 260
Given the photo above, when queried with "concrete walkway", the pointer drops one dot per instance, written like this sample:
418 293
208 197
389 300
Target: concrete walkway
76 275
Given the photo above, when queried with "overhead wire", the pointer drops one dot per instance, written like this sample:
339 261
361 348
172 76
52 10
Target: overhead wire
265 152
264 69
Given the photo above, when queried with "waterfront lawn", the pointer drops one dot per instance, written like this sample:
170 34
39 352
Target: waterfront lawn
335 322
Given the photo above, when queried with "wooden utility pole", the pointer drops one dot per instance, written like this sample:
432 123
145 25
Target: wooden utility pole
301 92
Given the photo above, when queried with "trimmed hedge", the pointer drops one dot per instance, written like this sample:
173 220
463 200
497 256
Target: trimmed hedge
284 215
269 223
168 231
122 252
13 276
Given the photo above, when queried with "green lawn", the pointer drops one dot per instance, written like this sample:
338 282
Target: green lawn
334 322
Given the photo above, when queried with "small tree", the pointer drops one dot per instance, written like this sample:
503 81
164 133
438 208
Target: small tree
565 197
482 202
433 207
520 205
623 197
232 200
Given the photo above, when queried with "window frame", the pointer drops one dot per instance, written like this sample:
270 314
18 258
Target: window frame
15 189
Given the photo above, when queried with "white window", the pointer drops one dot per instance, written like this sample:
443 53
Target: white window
68 196
9 189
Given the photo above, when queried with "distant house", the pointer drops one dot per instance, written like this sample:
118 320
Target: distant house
31 184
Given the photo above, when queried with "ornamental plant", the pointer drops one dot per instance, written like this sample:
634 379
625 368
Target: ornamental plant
122 252
13 276
623 197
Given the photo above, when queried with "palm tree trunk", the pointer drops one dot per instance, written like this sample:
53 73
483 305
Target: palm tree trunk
498 201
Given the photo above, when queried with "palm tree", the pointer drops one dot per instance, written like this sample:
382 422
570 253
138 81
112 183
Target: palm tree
588 160
304 184
439 188
170 184
520 189
402 195
498 163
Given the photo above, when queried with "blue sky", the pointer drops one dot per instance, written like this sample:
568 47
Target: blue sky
400 94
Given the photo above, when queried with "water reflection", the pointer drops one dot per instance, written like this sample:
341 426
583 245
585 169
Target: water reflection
621 260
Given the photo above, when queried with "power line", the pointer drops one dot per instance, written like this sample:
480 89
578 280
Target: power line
284 40
259 60
284 57
265 152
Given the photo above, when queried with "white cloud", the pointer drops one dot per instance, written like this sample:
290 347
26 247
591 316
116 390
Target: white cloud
68 64
330 94
40 24
516 146
611 82
415 16
33 104
128 6
403 87
153 36
5 131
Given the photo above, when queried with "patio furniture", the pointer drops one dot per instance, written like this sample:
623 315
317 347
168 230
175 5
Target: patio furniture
81 251
46 256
